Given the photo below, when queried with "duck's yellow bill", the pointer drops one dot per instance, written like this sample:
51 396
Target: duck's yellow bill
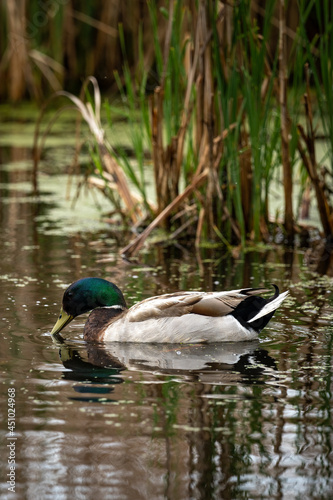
63 320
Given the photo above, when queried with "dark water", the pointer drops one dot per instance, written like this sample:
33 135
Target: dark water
230 421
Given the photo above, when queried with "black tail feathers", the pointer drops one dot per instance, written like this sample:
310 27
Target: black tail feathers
250 307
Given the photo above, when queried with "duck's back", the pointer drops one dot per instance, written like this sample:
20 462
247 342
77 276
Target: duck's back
189 317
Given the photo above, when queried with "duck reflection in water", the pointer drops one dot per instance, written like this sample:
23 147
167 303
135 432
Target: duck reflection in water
98 379
220 363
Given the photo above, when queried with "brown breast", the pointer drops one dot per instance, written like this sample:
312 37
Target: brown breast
99 319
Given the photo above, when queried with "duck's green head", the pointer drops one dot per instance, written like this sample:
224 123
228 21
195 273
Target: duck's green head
84 295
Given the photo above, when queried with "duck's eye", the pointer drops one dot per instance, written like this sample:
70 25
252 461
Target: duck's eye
60 316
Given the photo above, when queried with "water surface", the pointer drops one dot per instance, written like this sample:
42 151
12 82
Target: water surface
230 421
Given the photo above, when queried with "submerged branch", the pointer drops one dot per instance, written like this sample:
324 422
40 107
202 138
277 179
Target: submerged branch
133 248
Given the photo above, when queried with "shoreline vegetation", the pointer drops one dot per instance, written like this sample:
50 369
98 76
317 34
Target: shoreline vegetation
224 99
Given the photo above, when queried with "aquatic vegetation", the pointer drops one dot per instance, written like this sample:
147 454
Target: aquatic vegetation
107 167
220 120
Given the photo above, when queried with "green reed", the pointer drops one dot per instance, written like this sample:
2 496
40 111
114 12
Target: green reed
211 114
320 61
240 103
319 117
258 104
136 113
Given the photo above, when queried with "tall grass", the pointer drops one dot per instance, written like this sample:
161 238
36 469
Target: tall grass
230 136
216 114
114 180
319 54
135 111
48 45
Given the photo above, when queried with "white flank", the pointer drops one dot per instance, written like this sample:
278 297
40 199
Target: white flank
189 328
270 307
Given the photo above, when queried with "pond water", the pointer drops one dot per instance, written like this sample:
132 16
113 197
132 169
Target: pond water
228 421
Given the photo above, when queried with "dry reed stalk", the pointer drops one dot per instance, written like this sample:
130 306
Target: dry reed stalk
109 162
309 160
131 249
200 75
107 182
167 43
199 120
264 229
233 223
218 144
160 172
246 180
115 170
285 126
200 175
69 45
105 52
166 170
205 66
92 118
165 160
306 200
101 26
48 68
187 109
200 224
324 208
20 73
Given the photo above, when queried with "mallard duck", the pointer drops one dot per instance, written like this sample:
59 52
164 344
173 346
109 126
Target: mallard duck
181 317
